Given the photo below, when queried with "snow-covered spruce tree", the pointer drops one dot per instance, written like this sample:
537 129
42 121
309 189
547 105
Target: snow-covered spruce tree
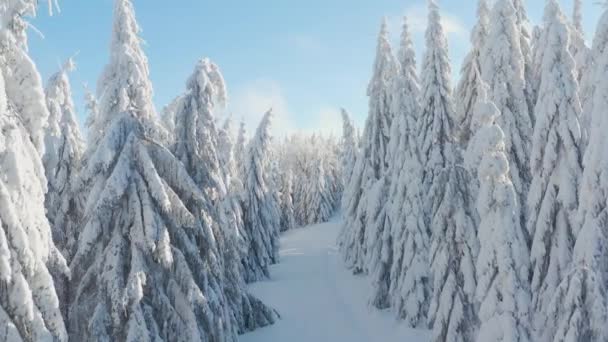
578 308
578 46
91 106
372 161
312 195
63 153
388 197
314 164
320 206
592 162
64 150
301 156
472 155
275 176
502 265
288 219
168 117
381 96
261 211
590 79
225 151
240 151
449 207
534 41
22 81
332 177
556 166
525 43
333 174
29 307
196 135
578 311
299 152
540 46
405 105
436 129
113 97
247 311
436 124
148 265
197 145
453 252
467 91
377 248
409 285
503 67
147 262
348 147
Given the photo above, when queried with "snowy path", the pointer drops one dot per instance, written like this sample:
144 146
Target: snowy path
318 299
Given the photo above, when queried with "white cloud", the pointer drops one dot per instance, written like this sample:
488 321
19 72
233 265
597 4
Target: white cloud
254 99
251 101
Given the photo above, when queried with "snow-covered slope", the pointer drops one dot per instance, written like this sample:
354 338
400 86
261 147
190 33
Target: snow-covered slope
318 299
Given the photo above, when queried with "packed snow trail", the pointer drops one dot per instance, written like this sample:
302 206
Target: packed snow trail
318 299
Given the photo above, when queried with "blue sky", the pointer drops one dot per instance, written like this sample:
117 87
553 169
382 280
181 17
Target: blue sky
306 59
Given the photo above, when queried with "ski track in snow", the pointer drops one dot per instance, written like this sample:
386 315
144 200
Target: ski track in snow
318 299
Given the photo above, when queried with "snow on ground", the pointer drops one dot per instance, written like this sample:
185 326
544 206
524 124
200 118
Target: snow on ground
318 299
